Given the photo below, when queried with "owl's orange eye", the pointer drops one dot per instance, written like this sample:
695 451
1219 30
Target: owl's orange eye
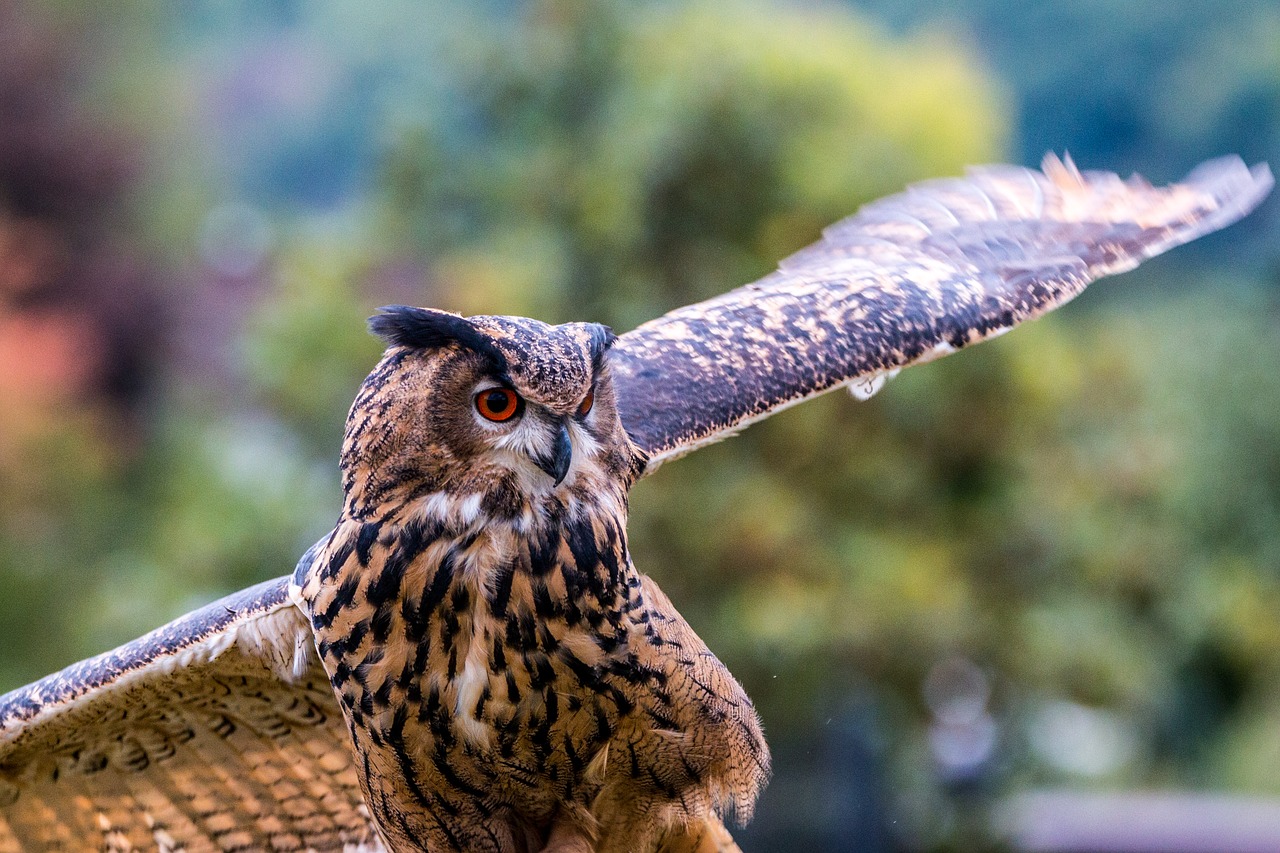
585 406
498 404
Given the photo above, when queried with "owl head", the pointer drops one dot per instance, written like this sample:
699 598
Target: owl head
497 407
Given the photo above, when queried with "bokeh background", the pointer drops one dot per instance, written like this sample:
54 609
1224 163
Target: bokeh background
1053 561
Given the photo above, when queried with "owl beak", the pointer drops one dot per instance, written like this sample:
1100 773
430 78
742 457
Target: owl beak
557 464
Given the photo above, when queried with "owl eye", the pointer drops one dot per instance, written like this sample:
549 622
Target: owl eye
585 406
498 404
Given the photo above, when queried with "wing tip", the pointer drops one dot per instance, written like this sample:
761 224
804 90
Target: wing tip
1226 178
1225 190
1235 186
1213 195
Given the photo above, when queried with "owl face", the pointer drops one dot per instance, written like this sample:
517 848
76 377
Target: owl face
483 405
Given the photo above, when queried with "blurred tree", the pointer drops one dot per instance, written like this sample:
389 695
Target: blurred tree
1135 85
1131 83
74 295
616 162
1048 560
77 303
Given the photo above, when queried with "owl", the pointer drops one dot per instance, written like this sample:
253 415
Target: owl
470 660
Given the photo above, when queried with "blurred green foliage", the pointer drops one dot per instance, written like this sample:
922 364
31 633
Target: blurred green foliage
1050 560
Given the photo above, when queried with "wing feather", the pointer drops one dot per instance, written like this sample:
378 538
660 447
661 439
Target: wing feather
217 731
907 279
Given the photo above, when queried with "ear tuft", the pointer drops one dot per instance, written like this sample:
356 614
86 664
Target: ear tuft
427 328
405 326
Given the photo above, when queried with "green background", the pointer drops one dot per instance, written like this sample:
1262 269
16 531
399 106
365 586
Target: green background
1052 561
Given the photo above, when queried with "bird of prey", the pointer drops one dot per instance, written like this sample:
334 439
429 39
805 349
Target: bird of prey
470 661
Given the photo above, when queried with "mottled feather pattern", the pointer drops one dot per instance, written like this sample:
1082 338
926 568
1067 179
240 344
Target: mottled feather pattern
187 634
504 669
215 732
470 661
908 278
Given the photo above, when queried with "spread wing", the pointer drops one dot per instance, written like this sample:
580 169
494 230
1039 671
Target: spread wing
906 280
218 731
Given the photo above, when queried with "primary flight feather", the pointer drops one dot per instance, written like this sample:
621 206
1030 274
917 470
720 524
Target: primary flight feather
470 660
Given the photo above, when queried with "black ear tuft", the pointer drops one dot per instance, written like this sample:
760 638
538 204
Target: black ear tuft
426 328
405 326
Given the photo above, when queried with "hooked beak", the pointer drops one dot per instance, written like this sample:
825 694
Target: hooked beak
557 464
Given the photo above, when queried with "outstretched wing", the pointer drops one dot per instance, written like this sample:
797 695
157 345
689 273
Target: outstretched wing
218 731
906 280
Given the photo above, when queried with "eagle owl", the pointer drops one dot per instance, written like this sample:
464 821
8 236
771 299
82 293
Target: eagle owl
502 666
470 661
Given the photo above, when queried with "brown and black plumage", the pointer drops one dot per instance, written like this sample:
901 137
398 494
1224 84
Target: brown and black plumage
470 660
502 666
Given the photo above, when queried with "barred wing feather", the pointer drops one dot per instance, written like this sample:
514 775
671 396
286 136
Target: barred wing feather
218 731
907 279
